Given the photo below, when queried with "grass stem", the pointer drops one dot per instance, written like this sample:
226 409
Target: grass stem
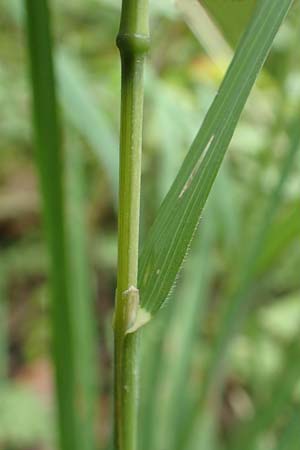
133 43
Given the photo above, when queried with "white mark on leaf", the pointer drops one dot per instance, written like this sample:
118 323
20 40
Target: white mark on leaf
196 168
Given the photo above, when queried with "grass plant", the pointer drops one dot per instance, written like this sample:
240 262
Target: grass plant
146 278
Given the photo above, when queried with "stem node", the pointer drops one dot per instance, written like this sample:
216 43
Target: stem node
133 44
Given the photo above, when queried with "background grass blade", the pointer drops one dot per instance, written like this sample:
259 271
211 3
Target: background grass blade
280 398
82 316
84 114
175 337
237 303
233 311
49 161
181 336
171 234
152 360
231 17
281 235
206 31
80 107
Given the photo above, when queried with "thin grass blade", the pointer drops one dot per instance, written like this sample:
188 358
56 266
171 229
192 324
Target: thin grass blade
82 315
84 114
80 107
238 304
281 236
231 17
173 229
49 163
234 311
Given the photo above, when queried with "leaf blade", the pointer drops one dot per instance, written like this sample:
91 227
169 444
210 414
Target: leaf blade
179 214
49 159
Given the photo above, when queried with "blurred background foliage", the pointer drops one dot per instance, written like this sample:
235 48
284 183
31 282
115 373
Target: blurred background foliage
247 246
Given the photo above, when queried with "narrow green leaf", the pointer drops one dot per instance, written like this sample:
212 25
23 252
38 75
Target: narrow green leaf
80 107
49 162
82 316
230 16
84 114
179 214
282 234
